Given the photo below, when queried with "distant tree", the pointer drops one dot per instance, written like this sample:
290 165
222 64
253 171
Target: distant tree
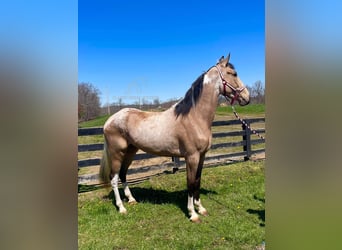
167 104
88 101
257 92
144 101
250 90
120 102
80 111
156 102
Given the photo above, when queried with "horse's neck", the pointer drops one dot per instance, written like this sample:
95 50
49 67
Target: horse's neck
206 105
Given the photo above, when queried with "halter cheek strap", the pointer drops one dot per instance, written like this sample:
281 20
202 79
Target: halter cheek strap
234 98
236 91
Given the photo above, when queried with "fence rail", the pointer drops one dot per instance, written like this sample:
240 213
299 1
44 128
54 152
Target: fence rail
246 143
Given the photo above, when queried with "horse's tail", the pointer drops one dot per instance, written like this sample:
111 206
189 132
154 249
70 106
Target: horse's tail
105 168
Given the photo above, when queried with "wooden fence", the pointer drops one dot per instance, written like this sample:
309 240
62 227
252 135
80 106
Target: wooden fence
246 143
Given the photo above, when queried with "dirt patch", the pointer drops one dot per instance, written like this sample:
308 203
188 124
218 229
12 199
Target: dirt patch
259 156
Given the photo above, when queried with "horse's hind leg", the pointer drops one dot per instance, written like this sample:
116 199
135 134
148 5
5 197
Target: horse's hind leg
116 165
117 147
131 151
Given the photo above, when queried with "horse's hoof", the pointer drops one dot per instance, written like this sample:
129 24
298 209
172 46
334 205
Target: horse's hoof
195 219
123 211
133 202
204 212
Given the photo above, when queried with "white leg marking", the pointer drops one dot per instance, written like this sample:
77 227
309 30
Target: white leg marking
192 213
200 208
128 194
118 200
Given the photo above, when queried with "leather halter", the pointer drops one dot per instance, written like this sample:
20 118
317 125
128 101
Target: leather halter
236 91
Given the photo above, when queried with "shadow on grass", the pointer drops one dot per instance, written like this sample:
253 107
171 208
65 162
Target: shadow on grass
260 212
155 196
88 188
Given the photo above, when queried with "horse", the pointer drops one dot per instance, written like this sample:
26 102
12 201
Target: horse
183 130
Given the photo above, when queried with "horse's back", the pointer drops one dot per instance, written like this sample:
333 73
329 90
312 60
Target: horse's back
126 120
117 120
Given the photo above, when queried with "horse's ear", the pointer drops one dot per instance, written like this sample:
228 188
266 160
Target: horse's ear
228 57
221 59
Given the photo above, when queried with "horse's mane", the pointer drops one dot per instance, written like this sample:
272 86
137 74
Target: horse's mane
191 97
230 65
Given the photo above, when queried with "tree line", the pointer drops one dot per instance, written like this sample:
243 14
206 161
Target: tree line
88 101
89 106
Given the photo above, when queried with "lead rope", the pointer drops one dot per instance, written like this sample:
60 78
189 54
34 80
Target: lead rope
245 123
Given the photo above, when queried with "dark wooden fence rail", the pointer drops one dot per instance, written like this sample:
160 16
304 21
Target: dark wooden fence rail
245 134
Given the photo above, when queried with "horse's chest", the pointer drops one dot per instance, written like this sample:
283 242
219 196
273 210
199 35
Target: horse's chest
200 139
205 143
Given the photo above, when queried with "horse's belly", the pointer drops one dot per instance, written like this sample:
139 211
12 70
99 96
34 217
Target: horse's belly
156 142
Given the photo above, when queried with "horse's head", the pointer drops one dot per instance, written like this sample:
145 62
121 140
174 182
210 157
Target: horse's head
232 87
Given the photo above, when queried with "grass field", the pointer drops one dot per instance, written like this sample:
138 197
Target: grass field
234 196
251 109
99 121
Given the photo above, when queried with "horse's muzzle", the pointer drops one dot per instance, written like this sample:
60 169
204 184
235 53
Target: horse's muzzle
243 101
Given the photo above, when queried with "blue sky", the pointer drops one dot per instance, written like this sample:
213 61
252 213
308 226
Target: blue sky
156 49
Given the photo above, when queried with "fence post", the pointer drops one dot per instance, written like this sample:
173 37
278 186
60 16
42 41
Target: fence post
176 164
247 138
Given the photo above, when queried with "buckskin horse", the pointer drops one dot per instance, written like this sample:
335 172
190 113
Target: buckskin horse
183 130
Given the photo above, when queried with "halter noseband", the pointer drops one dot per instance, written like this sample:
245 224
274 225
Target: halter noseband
236 91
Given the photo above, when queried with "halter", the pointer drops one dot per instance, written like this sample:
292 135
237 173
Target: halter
236 91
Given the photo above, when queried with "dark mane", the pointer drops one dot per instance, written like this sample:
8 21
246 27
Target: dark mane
191 97
231 66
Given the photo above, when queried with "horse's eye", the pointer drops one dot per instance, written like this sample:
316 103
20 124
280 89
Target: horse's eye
230 73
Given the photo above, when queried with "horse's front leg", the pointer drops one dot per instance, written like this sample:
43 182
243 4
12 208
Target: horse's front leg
197 200
194 170
200 207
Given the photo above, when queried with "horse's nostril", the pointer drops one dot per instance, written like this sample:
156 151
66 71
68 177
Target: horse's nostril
244 102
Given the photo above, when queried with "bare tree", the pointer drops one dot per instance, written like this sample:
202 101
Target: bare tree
88 101
156 101
120 103
80 111
257 92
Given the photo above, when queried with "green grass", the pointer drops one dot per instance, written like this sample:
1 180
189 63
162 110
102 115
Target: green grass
97 122
233 195
251 109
